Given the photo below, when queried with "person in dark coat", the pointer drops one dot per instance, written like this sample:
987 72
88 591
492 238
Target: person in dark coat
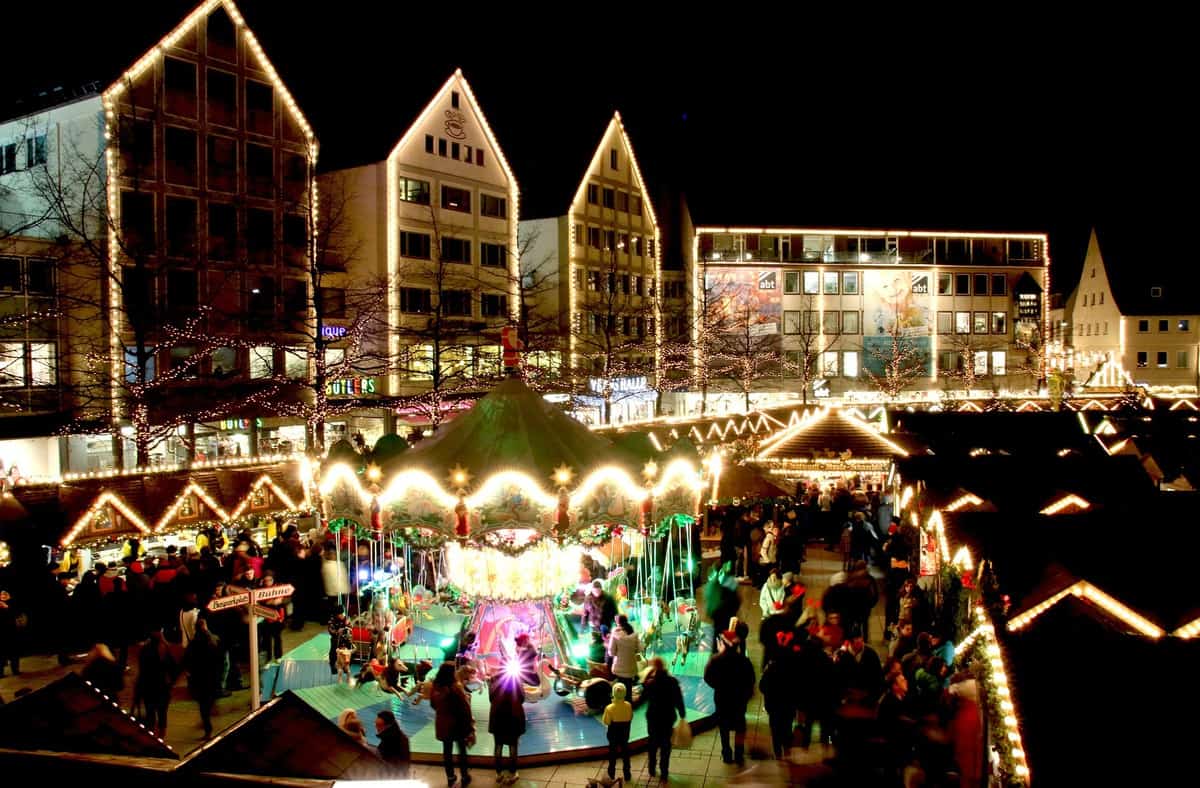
816 690
10 652
393 747
862 597
731 676
664 700
778 686
156 676
599 609
453 723
859 671
204 661
506 721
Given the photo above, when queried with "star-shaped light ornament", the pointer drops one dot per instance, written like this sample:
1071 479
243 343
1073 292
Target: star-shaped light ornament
562 475
650 470
459 477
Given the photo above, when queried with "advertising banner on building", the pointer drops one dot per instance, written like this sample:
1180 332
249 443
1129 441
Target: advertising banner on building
730 290
896 302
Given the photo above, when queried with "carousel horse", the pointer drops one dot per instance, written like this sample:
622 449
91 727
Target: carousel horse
543 689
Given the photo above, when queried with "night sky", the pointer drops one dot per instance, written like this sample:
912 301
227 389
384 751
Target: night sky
940 123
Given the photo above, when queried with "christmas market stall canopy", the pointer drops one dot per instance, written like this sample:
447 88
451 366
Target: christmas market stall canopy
832 439
112 507
72 716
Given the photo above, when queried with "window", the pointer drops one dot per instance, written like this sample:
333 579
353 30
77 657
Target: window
791 282
791 321
962 284
1184 324
262 362
222 98
260 107
493 305
812 282
39 277
10 274
295 298
456 250
179 83
414 190
623 201
479 156
593 279
945 322
1143 326
593 236
454 150
829 364
638 248
8 160
333 302
224 362
222 164
492 255
496 207
812 321
829 322
1102 298
981 362
981 284
135 141
222 231
850 322
181 156
943 285
35 151
137 222
429 143
1142 358
612 158
414 245
181 227
456 303
260 236
609 197
1181 359
295 362
1164 325
1156 292
593 194
295 239
1160 359
262 296
184 358
831 283
260 171
999 362
456 199
962 322
415 300
850 364
637 205
1000 323
580 236
625 284
131 364
850 283
442 146
12 364
981 323
610 240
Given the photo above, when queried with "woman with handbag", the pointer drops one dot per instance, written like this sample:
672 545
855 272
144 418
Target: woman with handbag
453 723
664 700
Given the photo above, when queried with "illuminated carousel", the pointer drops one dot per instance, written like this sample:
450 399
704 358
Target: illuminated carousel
494 530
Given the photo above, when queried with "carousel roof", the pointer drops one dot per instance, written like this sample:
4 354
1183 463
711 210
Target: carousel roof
514 428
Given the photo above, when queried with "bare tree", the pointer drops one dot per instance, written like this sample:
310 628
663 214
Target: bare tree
749 350
901 361
536 284
692 359
813 341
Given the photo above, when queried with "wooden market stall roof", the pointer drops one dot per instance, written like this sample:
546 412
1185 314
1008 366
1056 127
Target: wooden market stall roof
833 434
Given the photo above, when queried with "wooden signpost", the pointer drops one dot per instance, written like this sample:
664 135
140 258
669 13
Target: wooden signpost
251 598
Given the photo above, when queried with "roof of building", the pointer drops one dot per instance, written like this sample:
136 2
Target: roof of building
1136 265
70 715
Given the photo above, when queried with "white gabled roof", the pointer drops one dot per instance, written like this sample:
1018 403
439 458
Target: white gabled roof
616 124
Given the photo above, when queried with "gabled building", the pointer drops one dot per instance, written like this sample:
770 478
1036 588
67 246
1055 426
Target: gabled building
437 221
1143 317
600 264
192 174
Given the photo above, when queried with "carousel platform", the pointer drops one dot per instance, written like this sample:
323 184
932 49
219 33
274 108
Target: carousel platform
555 730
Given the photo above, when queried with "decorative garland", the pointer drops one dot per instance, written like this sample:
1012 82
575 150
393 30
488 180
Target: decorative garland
594 535
982 651
421 538
507 544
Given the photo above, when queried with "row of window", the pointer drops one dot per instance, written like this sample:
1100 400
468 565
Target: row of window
225 362
828 322
31 275
828 363
1164 325
416 361
257 232
35 154
849 283
1092 297
607 240
625 325
221 97
972 322
454 150
454 303
1160 359
415 190
617 200
24 364
137 152
179 291
612 282
953 360
831 248
1090 329
453 250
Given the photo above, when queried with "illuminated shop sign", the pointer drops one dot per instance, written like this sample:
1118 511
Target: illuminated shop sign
618 385
1029 306
333 332
237 424
350 387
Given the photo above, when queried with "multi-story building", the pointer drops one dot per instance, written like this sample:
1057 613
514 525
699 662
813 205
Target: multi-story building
1144 319
844 299
599 263
190 177
437 222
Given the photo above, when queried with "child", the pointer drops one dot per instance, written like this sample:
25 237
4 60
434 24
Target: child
617 717
344 649
597 651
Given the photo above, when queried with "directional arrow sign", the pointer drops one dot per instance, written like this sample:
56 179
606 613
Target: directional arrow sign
273 592
224 602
